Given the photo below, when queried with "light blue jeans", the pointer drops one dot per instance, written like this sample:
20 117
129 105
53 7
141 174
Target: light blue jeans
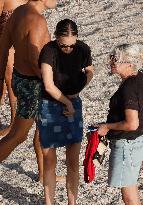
125 162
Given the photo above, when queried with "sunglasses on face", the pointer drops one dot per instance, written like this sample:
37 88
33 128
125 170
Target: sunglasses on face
67 46
113 58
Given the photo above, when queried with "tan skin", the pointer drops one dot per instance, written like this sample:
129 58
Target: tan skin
130 194
9 5
28 35
72 151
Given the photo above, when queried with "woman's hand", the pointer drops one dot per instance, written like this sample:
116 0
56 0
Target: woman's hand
103 129
69 110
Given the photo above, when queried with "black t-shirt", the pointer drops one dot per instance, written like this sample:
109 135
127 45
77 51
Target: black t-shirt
68 74
128 96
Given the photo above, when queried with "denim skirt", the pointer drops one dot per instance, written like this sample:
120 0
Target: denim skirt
125 162
57 130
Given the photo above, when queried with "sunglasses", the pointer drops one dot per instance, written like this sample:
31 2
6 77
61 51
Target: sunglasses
67 46
113 58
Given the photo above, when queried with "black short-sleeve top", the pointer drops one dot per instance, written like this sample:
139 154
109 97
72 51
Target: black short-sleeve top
68 69
128 96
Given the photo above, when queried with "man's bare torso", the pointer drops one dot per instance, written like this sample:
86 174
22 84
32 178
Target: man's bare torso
28 33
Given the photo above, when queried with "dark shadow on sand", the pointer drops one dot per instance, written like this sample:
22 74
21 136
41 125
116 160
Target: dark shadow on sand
20 170
18 195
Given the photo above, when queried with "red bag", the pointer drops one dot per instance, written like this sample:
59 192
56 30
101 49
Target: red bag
89 169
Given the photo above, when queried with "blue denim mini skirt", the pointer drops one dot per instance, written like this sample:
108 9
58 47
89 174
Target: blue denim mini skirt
57 130
125 161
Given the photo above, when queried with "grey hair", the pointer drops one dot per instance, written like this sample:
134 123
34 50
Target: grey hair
130 53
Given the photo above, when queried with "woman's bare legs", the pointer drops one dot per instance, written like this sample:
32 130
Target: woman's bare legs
49 176
39 154
130 195
72 180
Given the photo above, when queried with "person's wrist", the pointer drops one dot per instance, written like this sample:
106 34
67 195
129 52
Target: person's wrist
108 126
68 103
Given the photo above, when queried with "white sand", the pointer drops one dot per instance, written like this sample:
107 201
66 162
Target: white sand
102 24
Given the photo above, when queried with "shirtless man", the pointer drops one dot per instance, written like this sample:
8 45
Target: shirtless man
6 9
27 32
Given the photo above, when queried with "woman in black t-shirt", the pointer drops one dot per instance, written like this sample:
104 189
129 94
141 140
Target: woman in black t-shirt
125 122
66 68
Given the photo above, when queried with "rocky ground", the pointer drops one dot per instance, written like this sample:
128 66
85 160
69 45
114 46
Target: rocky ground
102 24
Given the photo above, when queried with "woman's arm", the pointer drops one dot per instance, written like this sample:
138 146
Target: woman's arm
89 73
47 75
130 123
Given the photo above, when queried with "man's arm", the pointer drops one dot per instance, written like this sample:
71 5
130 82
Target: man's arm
38 37
1 6
5 44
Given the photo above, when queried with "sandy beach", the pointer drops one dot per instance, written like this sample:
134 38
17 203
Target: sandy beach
102 25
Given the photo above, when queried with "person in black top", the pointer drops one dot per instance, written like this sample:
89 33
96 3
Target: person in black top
124 125
66 68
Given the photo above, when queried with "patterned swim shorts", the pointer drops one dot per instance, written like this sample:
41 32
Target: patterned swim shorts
27 89
57 130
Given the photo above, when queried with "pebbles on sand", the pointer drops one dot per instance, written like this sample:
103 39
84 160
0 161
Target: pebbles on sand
102 24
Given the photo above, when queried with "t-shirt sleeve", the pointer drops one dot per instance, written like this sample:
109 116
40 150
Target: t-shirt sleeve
46 56
130 95
87 57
